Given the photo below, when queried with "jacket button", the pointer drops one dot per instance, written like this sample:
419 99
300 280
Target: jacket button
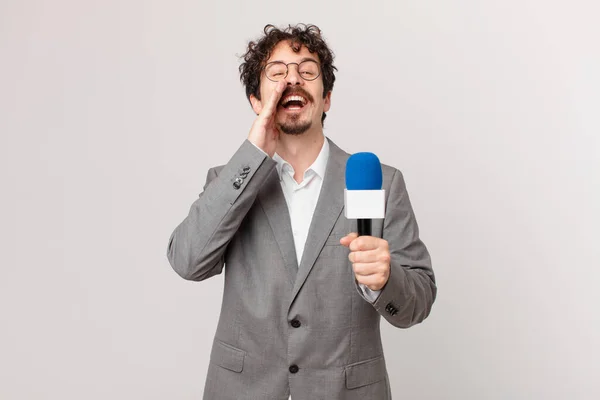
296 323
246 169
294 368
236 185
391 309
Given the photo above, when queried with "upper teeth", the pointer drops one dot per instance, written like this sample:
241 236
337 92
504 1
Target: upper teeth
293 98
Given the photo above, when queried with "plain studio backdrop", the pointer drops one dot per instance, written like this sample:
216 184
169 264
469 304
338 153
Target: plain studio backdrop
111 113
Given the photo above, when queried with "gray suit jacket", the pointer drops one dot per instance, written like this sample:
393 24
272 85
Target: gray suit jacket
284 327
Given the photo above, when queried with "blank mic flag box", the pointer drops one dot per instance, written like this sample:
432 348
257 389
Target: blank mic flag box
364 204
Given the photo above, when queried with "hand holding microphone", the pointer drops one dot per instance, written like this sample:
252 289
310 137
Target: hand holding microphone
370 257
365 200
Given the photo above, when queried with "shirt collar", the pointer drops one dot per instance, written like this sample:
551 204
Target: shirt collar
318 166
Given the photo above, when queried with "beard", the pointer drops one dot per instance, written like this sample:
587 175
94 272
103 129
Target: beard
293 126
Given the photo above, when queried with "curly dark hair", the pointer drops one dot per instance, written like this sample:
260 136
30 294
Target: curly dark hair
300 35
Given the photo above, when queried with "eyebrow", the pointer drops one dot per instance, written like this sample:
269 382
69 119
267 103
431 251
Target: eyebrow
302 60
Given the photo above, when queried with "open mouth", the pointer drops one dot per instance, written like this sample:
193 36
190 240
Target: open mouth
293 102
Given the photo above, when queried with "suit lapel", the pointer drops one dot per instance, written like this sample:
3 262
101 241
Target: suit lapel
275 207
328 209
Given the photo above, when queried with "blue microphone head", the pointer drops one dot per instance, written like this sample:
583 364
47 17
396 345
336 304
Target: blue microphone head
363 172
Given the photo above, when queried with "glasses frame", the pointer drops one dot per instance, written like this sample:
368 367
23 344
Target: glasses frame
287 70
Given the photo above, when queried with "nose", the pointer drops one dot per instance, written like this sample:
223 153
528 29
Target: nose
293 75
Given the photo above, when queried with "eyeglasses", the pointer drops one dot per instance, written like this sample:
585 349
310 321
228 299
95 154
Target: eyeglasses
308 70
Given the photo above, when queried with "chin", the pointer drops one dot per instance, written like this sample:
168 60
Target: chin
295 129
293 126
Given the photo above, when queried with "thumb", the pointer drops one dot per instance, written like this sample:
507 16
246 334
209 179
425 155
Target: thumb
346 240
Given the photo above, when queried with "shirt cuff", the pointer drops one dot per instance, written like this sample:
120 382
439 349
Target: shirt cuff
371 295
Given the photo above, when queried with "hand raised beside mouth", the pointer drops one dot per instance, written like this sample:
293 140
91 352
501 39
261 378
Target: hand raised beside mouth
264 133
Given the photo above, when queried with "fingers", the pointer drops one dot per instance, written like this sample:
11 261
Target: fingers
271 106
346 240
362 243
369 256
367 269
374 281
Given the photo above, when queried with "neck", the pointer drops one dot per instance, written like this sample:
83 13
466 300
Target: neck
300 150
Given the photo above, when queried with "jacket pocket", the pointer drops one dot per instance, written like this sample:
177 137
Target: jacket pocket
365 373
227 356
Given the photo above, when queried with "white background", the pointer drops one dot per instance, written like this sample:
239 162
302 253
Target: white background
111 112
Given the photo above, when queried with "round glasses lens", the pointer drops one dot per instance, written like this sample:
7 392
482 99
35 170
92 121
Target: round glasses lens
276 71
309 70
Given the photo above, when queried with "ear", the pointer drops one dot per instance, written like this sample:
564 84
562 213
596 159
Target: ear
327 102
256 104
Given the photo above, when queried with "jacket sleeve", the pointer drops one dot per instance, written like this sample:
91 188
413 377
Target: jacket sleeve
410 291
197 247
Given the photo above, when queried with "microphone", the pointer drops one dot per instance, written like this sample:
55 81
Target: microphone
364 199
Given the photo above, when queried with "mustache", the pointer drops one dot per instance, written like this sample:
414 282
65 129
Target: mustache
297 91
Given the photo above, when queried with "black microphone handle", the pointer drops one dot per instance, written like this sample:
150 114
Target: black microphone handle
364 227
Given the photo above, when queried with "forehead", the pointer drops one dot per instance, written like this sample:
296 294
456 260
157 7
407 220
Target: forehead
283 51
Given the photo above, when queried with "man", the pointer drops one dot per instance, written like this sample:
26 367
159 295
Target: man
303 296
